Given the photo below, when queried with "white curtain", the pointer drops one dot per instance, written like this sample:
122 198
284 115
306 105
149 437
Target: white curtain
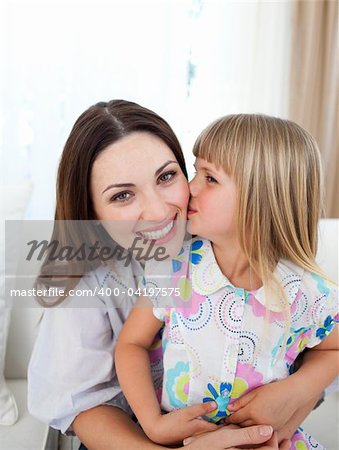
189 60
240 51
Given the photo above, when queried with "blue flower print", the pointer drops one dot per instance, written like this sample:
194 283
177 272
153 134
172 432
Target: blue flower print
325 330
195 255
176 265
300 335
295 334
176 262
195 251
221 395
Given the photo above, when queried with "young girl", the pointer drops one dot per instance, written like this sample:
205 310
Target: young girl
247 295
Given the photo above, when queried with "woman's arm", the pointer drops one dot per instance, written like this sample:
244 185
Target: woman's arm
133 369
291 398
70 369
227 437
109 428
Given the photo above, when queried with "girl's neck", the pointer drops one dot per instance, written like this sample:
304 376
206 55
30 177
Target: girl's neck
235 266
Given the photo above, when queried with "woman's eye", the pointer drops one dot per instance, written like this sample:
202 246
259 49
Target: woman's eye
165 177
210 179
121 197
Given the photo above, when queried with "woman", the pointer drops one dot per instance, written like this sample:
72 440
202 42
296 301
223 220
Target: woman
122 168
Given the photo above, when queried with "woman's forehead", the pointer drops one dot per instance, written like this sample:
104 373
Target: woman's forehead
137 146
134 156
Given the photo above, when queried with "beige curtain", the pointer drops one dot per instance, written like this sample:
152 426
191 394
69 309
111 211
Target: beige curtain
314 85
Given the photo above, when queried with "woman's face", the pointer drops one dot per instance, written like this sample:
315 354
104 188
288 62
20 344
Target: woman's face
140 193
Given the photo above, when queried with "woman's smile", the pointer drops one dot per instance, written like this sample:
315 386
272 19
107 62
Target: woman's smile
158 232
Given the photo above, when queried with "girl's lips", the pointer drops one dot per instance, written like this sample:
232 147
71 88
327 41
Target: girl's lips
191 211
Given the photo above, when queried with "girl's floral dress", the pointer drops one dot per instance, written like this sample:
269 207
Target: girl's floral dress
221 341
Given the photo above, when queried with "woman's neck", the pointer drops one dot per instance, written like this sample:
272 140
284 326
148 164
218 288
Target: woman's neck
235 266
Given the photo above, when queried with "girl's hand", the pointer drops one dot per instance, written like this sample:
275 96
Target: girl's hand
234 438
175 426
272 404
277 404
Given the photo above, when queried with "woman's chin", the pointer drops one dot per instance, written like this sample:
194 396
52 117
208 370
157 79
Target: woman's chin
174 245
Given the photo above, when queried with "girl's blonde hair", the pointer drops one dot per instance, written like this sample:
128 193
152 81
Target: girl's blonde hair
277 169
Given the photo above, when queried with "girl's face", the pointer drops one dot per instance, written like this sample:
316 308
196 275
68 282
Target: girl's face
212 207
139 191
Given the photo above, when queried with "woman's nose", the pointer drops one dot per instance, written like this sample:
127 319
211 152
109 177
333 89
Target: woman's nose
154 208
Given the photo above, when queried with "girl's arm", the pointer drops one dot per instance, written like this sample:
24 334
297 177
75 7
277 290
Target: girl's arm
134 373
110 428
279 402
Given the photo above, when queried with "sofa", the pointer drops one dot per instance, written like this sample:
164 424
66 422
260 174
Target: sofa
27 433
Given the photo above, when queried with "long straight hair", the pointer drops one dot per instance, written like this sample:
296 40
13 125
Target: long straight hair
277 170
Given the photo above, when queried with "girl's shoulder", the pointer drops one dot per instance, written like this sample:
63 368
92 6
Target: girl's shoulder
305 282
318 286
313 301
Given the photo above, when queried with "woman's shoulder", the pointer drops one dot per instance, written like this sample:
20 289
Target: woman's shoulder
103 286
112 275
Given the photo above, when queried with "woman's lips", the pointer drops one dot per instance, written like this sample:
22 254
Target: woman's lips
159 226
161 233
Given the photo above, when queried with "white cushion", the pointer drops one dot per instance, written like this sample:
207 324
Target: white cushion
327 256
13 201
323 422
8 408
23 330
28 433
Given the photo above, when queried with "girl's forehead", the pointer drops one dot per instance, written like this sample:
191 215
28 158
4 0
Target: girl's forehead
205 163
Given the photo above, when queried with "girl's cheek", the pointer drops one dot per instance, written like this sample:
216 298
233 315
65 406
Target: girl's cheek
203 199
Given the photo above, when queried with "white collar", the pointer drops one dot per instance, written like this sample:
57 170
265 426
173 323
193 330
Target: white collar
207 277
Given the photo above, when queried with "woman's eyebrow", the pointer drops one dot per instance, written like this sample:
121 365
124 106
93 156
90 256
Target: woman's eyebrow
127 185
165 165
119 185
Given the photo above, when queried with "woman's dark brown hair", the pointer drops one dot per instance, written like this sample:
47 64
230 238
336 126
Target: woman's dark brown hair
98 127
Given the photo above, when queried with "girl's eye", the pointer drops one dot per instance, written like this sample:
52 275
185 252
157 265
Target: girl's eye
211 179
167 176
121 197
